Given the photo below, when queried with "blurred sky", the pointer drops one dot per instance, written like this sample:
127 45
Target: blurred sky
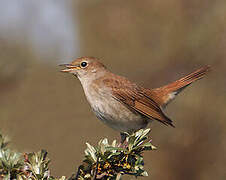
42 25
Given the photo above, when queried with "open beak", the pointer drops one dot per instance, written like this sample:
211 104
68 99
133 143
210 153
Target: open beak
69 67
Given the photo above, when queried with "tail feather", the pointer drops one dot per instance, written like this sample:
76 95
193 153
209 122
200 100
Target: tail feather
167 93
196 75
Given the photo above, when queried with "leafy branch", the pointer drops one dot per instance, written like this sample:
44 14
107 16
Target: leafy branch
105 161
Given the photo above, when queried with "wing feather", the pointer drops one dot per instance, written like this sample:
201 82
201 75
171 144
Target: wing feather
137 100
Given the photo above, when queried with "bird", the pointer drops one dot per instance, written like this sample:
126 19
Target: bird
122 104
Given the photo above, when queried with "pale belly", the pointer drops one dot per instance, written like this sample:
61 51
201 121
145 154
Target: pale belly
112 112
116 115
122 123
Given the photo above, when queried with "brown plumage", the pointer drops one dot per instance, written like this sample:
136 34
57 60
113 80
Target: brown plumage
135 98
122 104
167 93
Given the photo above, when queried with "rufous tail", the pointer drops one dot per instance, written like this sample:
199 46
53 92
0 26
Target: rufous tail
165 94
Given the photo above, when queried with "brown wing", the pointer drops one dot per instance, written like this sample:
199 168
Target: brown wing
135 99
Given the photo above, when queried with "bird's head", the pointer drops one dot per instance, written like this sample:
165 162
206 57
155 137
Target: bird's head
84 67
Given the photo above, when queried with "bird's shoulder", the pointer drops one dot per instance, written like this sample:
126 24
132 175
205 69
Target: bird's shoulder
117 82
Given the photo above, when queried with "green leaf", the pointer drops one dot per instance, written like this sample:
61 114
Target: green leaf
115 148
91 151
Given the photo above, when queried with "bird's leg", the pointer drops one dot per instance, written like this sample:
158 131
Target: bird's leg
123 139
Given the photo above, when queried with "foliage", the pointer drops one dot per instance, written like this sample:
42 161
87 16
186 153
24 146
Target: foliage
105 161
108 160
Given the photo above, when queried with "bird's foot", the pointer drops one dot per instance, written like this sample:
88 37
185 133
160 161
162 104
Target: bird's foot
123 145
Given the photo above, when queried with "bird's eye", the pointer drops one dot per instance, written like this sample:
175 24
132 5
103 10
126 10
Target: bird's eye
83 64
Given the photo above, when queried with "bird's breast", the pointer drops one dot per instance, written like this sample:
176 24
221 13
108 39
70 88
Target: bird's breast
112 112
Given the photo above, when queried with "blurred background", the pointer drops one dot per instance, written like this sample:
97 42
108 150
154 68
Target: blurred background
150 42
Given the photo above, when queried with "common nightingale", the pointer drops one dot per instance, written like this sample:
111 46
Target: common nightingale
121 104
